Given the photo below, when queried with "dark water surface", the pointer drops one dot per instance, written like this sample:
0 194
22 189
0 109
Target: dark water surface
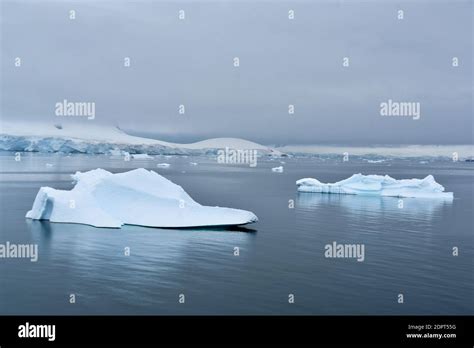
407 251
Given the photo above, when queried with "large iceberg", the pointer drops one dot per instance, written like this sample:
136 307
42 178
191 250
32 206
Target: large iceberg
378 185
137 197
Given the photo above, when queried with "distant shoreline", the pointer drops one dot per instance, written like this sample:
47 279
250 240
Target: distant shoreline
463 151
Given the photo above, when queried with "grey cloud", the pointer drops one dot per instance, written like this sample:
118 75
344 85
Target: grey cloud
282 62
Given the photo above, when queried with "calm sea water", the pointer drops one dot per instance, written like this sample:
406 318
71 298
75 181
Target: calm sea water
407 251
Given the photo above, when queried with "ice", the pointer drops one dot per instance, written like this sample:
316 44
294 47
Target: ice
141 156
277 169
378 185
163 165
138 197
116 152
193 163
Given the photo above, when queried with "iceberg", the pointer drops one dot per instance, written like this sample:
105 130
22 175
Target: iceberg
137 197
378 185
278 169
141 156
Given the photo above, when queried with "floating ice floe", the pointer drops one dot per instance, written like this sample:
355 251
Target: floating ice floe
163 165
277 169
141 156
138 197
193 163
375 161
378 185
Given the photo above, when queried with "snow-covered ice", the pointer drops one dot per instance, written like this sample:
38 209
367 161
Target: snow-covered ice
138 197
378 185
277 169
102 139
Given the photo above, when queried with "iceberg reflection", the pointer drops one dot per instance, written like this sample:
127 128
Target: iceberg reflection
419 208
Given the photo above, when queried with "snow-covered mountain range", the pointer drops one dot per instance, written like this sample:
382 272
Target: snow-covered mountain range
97 139
91 138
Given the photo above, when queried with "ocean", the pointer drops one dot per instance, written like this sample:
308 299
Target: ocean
275 266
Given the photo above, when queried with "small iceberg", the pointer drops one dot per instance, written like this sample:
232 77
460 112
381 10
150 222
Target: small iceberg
141 156
278 169
378 185
163 165
137 197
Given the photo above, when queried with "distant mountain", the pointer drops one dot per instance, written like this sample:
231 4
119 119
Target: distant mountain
97 139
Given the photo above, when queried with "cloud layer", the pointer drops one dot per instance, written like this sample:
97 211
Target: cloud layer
190 62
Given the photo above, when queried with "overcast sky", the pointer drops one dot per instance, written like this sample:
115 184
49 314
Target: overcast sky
282 62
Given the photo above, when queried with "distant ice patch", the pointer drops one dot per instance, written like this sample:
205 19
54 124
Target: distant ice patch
163 165
375 161
378 185
141 156
138 197
277 169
